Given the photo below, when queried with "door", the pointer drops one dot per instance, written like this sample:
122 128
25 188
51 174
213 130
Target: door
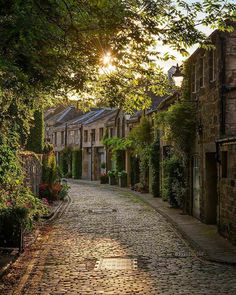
211 189
196 187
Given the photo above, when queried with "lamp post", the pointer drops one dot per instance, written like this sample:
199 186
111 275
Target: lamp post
178 75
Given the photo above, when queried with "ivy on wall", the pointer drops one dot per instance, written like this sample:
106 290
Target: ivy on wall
155 166
65 162
77 164
178 128
35 141
141 138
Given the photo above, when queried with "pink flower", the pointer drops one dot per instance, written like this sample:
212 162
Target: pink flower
8 203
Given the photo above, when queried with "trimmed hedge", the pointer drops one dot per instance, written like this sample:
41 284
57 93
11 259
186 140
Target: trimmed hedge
35 140
77 164
155 166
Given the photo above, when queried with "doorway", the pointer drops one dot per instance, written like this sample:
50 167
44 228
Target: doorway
211 189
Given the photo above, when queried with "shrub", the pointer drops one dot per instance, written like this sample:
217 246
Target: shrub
122 174
64 191
155 166
77 164
51 192
111 173
35 141
104 178
49 169
174 182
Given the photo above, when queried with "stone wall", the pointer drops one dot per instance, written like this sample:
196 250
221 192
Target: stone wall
227 192
32 166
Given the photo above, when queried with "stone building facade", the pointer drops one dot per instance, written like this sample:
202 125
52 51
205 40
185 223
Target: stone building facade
32 167
94 153
213 82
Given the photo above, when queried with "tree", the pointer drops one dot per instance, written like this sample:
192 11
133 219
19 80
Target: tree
35 140
50 48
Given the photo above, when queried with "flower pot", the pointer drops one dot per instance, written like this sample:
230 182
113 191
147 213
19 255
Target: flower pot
123 181
112 180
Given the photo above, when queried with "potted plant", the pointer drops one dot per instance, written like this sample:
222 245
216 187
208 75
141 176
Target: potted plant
112 177
122 176
104 178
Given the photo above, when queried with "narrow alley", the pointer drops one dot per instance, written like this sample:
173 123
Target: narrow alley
110 242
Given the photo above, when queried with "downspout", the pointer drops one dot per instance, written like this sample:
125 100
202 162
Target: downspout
222 80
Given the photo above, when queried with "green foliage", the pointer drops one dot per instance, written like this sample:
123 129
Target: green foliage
174 186
76 164
155 166
111 173
64 191
141 138
178 125
116 143
122 174
10 168
20 205
65 161
35 141
49 169
134 161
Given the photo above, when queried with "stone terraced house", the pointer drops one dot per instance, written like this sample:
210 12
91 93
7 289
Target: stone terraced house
213 89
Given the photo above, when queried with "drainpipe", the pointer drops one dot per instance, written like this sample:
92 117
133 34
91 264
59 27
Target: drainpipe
222 86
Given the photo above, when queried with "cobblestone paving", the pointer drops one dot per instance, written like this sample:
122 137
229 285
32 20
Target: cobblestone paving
104 223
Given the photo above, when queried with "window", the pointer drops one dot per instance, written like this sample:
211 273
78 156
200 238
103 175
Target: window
194 78
93 134
224 164
202 72
62 137
111 132
85 135
212 73
101 133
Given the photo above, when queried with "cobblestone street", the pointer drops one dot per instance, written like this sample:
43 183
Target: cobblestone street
147 255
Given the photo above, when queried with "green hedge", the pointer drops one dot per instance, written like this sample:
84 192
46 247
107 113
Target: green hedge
155 166
77 164
49 169
65 161
35 140
134 170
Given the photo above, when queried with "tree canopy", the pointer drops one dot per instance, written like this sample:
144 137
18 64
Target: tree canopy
51 48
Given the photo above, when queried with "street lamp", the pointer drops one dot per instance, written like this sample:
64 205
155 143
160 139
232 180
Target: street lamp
178 75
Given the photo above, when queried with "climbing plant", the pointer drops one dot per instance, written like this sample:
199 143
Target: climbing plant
76 164
141 138
155 166
178 122
35 141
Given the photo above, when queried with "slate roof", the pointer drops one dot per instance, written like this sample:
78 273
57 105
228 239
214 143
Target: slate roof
65 115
